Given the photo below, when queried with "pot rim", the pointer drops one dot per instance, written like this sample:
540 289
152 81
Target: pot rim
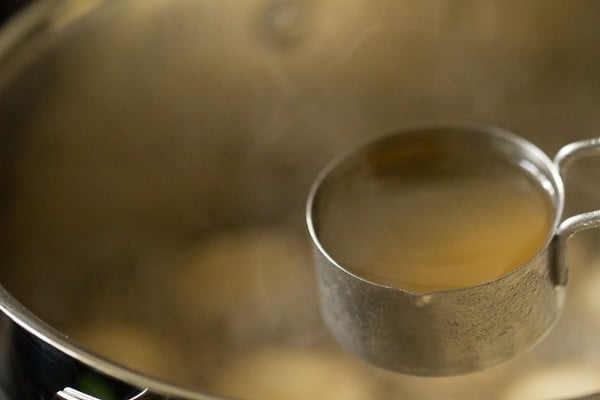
16 36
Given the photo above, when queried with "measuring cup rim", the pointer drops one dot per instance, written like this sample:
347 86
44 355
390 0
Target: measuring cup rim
532 150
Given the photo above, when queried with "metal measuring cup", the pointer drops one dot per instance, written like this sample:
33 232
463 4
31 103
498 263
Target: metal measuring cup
460 330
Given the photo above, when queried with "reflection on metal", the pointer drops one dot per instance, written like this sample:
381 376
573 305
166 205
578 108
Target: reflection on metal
458 330
127 103
388 338
72 394
71 10
69 393
589 220
574 151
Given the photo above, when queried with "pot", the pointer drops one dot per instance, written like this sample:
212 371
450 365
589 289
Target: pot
156 161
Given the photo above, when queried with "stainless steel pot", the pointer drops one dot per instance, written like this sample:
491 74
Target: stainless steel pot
142 137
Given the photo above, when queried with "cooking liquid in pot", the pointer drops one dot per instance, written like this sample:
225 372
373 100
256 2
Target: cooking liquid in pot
434 223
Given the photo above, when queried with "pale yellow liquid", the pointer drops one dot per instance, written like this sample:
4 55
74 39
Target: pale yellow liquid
434 224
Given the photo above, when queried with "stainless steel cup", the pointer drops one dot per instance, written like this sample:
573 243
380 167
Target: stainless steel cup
452 331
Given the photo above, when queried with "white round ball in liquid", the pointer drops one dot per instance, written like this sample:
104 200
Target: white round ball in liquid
292 374
555 382
133 346
260 279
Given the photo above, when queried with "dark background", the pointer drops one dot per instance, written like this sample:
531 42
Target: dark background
9 7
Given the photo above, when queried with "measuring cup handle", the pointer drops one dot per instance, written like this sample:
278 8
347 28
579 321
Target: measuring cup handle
588 220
